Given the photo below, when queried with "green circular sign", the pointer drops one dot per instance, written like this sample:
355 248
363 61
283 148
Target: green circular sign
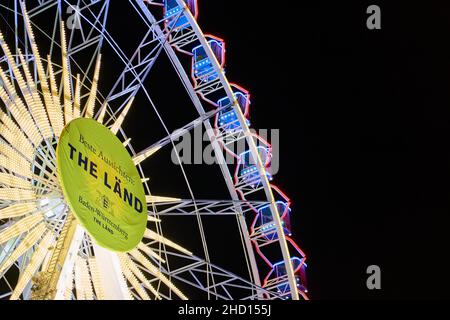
102 185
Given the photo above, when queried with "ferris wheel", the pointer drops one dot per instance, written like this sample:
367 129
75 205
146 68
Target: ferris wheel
64 117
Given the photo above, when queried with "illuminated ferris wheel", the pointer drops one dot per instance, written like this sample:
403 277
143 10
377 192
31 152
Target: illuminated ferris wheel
81 213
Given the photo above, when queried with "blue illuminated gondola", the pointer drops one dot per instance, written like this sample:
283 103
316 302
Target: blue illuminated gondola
172 13
279 271
202 66
265 224
227 118
248 170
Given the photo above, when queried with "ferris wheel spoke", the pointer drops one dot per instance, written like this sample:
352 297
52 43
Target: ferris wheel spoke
6 164
16 107
47 182
41 6
14 134
91 23
14 156
131 278
52 108
96 279
36 260
88 110
37 107
207 207
10 180
158 199
93 33
18 210
150 252
55 113
193 273
37 110
118 123
168 140
8 247
136 277
67 90
149 234
83 284
154 271
25 244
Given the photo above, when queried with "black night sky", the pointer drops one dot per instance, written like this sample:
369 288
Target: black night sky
364 119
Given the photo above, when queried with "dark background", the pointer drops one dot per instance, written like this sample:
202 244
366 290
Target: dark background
364 120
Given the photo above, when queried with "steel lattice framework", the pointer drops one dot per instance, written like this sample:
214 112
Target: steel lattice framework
222 109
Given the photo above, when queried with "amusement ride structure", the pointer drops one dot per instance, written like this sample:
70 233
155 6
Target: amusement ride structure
55 54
